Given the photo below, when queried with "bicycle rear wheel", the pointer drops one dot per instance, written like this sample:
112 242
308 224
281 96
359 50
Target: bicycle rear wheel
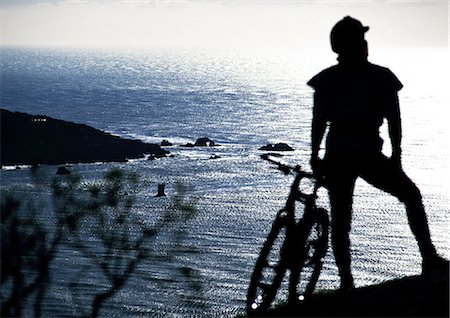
313 245
270 268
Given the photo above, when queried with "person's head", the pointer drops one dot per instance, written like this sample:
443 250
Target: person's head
347 39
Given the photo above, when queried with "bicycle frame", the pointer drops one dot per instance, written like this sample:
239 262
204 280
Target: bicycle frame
296 244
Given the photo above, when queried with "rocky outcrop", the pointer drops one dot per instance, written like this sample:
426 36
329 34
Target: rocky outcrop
277 147
188 145
201 142
63 171
30 140
166 143
204 142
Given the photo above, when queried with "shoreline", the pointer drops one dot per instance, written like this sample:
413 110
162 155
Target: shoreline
30 140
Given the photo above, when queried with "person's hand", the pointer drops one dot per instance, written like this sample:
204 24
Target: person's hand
316 166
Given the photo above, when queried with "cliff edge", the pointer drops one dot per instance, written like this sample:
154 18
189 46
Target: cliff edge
414 296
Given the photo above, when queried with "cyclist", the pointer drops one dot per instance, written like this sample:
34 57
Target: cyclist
353 98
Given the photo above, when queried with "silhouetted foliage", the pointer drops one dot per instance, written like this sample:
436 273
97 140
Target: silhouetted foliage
97 220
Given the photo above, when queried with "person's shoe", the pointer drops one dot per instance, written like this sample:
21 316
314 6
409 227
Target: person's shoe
433 264
345 291
347 285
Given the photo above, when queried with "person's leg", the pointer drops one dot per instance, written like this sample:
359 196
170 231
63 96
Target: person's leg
340 190
385 175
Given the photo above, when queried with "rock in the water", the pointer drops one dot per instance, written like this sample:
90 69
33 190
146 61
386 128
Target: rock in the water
277 147
204 142
166 143
62 171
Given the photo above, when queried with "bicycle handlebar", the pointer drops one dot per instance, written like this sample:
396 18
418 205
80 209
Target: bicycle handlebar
285 168
297 171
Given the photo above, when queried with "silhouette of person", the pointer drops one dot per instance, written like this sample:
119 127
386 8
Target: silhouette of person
353 98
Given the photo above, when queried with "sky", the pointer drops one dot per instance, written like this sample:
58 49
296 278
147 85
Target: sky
217 24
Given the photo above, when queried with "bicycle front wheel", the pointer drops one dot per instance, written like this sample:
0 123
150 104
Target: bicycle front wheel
313 244
270 268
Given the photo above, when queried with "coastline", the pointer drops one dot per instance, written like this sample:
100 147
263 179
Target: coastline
33 139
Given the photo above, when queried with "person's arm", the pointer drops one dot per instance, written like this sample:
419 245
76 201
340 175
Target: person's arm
394 126
318 127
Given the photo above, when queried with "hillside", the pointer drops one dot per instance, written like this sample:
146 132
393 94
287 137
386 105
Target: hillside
29 139
415 296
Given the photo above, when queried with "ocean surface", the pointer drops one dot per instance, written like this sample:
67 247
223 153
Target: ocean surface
242 100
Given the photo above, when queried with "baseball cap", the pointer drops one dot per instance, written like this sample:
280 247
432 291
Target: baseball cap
345 32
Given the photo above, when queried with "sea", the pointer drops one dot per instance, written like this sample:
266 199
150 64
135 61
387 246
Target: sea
242 100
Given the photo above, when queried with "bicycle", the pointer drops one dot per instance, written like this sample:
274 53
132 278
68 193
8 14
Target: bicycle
295 245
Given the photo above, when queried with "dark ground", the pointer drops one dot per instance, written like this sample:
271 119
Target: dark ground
415 296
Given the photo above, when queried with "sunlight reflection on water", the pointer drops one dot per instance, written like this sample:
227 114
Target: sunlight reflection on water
241 100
